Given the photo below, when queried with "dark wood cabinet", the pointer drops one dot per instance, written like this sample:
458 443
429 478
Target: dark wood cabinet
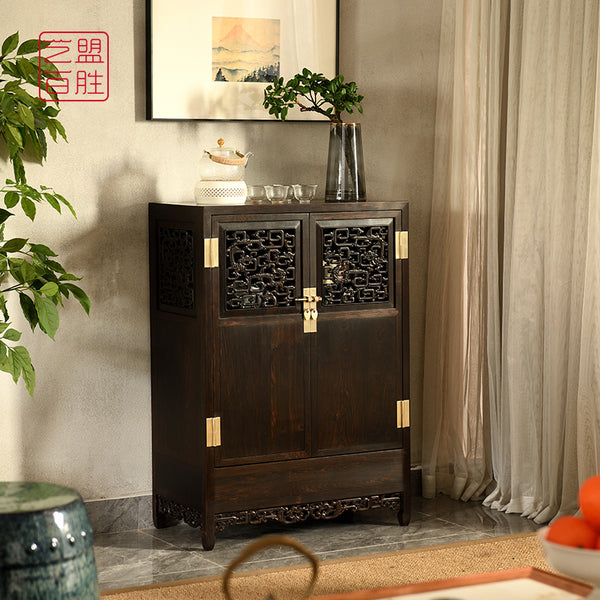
280 375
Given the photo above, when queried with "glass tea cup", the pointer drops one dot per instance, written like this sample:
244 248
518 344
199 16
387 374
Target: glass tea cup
256 194
304 192
276 193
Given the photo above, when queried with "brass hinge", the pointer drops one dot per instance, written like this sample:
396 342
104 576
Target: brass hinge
402 414
213 432
211 252
309 309
401 244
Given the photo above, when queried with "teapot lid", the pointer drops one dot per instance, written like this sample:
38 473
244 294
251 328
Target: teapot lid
221 151
227 156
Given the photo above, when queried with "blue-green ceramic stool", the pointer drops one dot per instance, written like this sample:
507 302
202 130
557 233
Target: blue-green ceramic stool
45 544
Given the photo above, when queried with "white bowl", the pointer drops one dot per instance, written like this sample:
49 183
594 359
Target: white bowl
573 562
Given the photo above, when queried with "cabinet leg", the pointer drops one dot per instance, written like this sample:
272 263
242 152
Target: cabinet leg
207 525
160 519
404 512
208 537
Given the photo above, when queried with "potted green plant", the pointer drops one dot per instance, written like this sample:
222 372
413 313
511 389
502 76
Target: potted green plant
29 271
313 92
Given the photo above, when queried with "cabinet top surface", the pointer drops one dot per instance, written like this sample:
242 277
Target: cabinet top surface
285 207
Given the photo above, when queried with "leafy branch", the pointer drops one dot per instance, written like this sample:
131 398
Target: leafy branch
29 270
25 118
313 92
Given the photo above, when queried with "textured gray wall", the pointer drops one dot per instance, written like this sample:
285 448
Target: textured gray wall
89 423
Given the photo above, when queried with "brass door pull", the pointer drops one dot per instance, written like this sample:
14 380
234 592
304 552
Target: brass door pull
309 309
313 298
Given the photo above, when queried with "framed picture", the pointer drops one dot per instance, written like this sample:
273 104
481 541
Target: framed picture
211 60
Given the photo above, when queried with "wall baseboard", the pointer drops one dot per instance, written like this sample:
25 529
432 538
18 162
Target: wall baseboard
115 515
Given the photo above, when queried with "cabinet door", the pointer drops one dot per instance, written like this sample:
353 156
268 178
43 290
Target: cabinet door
261 355
356 353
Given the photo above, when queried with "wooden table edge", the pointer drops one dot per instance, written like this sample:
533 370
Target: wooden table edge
557 581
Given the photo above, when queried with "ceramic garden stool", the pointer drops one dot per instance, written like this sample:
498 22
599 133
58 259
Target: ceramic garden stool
45 544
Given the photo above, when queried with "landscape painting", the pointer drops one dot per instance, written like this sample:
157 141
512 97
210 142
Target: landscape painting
213 60
245 50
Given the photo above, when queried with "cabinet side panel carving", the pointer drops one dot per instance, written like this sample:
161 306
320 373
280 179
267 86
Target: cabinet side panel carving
260 268
356 264
175 277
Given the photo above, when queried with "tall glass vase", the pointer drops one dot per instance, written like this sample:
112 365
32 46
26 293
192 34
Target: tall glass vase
345 169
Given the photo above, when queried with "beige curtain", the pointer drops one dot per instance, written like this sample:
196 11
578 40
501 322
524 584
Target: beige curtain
512 376
456 444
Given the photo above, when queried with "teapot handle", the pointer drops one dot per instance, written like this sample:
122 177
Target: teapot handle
234 162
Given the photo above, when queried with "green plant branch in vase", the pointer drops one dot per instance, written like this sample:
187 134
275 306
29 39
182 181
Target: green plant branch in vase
331 98
313 92
29 271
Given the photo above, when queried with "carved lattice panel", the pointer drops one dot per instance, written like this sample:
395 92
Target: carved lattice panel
356 264
175 269
260 268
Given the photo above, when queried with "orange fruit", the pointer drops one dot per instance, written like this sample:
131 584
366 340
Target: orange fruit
589 501
572 531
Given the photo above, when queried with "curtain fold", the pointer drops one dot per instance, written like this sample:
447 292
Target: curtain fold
456 450
512 374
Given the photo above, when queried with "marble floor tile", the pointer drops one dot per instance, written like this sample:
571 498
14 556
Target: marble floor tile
150 555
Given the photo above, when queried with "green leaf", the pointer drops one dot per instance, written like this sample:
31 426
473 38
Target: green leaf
13 245
80 295
60 129
10 68
52 200
14 266
18 169
3 306
47 314
10 43
28 207
52 129
27 273
3 327
27 70
15 134
6 364
17 362
42 250
55 266
51 111
26 97
28 309
29 47
39 138
66 203
31 192
11 199
45 66
12 335
27 370
49 289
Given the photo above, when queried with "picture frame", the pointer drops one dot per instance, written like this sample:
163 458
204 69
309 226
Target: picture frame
213 60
